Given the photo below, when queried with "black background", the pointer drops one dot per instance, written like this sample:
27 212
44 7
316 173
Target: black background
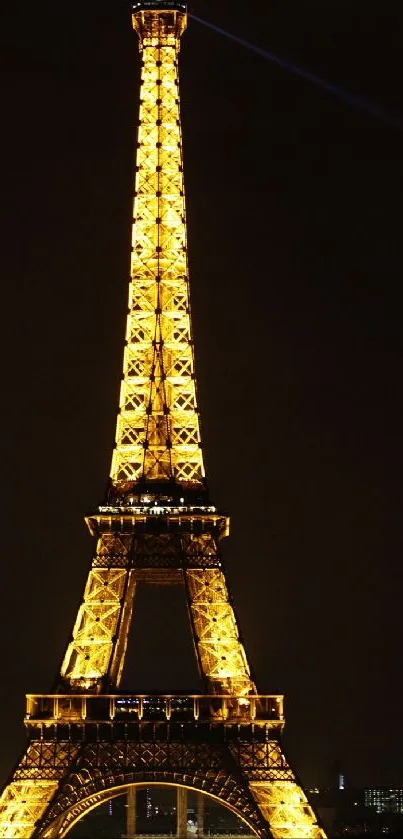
294 217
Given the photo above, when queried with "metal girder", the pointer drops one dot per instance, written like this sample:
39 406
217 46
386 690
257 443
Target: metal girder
221 654
286 809
97 648
22 804
32 787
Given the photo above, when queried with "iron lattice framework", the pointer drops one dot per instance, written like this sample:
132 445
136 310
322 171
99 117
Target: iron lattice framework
86 743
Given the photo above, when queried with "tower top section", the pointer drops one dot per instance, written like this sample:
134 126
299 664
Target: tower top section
159 21
158 452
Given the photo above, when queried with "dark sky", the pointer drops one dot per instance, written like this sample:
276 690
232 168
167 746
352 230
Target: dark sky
294 210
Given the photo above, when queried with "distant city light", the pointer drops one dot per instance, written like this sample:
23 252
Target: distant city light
384 800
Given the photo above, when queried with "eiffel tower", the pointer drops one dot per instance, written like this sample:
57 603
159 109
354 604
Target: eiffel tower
87 742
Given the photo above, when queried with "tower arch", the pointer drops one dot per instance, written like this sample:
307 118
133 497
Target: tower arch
65 813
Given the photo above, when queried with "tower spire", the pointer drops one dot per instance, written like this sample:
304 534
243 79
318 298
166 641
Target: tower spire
157 433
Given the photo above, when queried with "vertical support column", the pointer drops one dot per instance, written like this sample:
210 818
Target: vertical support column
181 813
200 814
131 813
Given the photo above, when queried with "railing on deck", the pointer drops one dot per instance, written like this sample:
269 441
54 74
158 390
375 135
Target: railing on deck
74 708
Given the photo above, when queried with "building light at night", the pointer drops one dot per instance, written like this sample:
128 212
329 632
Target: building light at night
384 800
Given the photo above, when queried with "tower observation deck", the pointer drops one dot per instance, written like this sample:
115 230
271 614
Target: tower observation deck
87 741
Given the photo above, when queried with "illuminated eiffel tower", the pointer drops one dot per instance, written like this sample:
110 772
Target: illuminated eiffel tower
87 742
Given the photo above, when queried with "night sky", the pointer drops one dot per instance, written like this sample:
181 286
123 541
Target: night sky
294 226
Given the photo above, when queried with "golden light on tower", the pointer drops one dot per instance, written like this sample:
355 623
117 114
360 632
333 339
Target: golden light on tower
88 742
